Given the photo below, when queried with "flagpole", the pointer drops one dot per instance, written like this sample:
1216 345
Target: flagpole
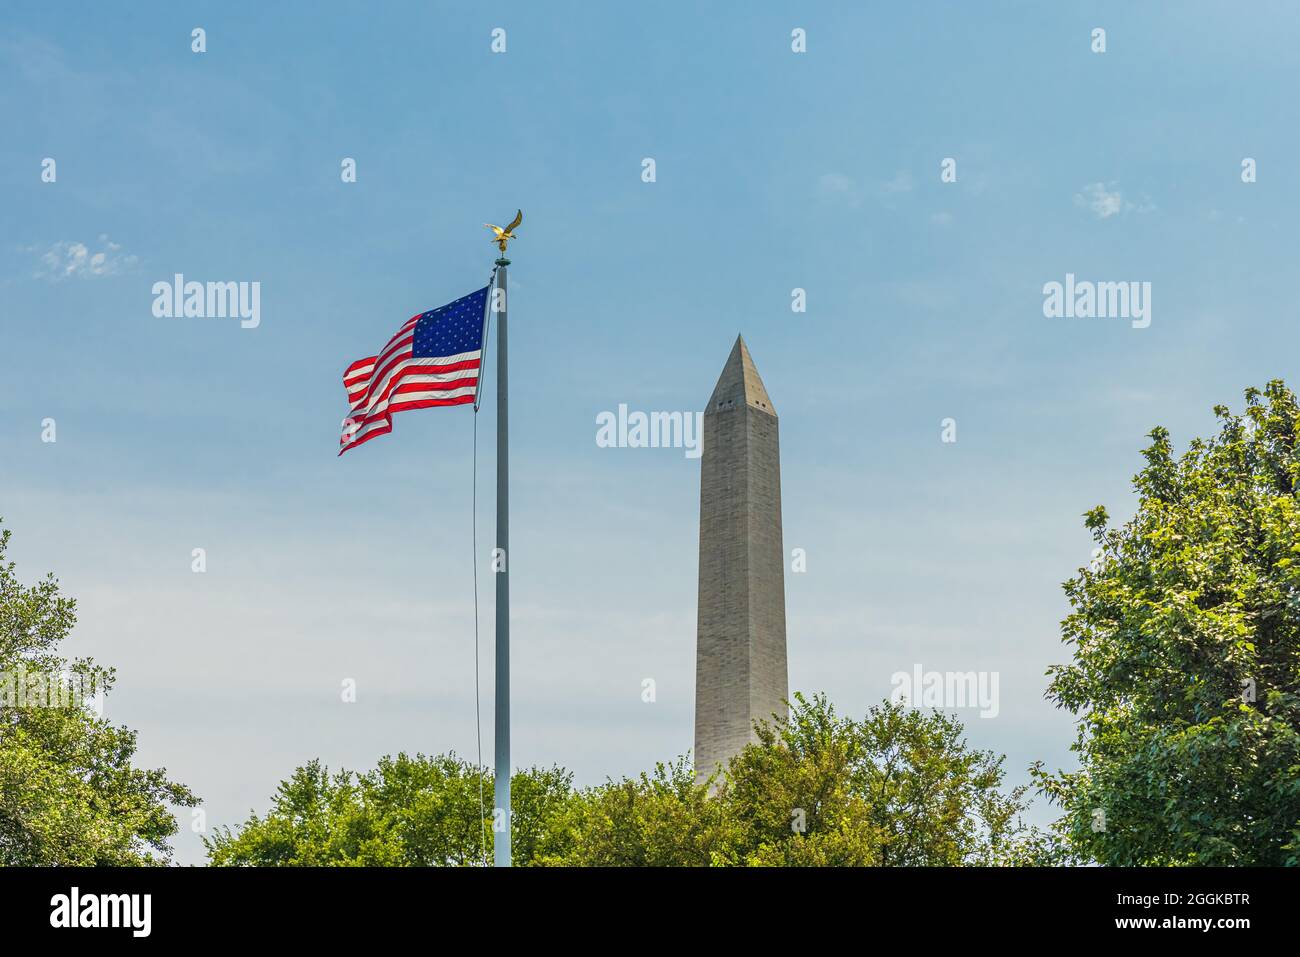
501 790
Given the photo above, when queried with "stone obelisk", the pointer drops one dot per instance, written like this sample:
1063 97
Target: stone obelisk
740 666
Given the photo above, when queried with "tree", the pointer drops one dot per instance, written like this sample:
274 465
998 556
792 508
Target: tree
658 819
68 792
1186 670
897 788
409 812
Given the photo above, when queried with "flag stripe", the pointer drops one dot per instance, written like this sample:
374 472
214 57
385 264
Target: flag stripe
413 368
411 365
387 405
465 396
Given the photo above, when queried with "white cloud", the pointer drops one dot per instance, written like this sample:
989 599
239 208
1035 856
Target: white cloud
1104 200
842 188
836 183
837 186
901 183
69 259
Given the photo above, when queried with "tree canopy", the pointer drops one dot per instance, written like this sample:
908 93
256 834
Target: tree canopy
69 794
1186 670
410 811
899 787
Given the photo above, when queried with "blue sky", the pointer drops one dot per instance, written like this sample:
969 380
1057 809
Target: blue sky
775 171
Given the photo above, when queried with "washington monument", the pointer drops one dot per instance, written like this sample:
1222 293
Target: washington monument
740 669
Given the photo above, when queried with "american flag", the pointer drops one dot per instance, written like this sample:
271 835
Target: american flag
433 360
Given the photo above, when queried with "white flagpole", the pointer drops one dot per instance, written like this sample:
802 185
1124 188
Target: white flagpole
501 820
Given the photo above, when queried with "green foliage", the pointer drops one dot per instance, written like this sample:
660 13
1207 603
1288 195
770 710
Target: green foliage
661 819
409 812
68 792
899 787
1191 606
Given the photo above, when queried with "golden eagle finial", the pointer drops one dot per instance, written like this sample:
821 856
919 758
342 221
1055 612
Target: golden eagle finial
504 236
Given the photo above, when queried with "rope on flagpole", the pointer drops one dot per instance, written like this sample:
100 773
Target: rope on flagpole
478 720
478 727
